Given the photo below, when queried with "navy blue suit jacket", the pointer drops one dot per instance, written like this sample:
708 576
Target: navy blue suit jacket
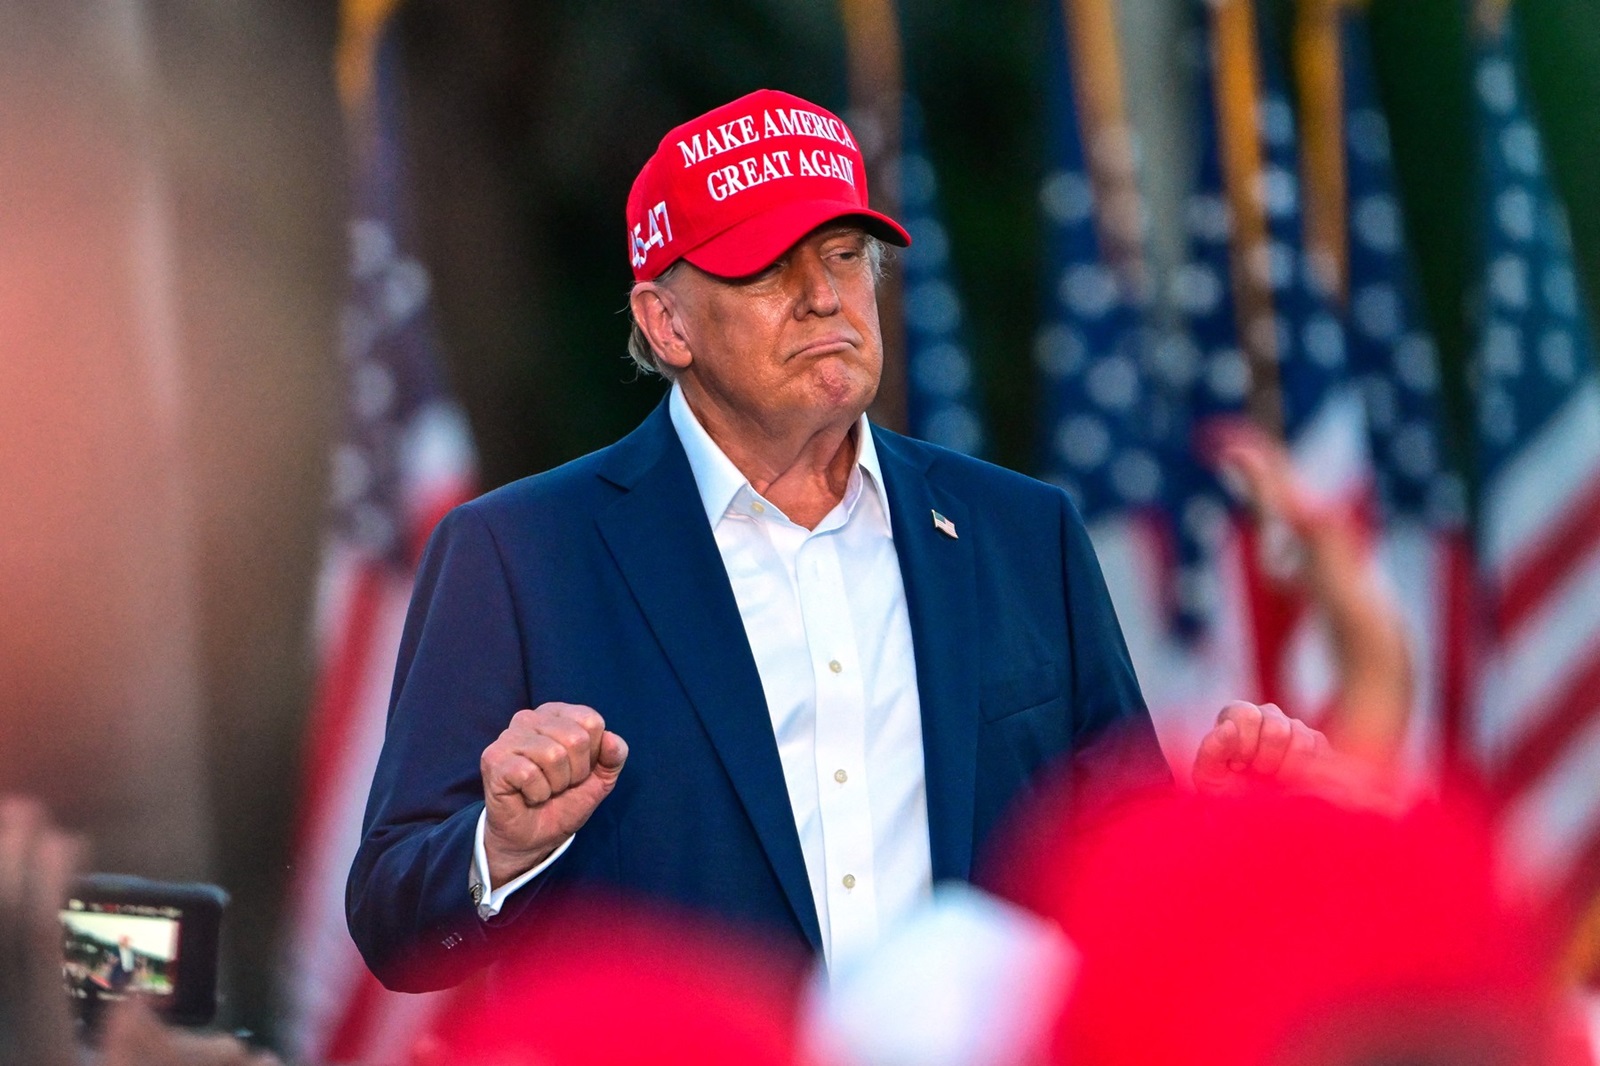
600 583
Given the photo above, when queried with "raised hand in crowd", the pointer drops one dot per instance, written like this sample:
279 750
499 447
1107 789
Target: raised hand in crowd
1332 561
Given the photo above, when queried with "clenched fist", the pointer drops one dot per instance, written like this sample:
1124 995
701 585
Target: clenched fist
1259 741
542 779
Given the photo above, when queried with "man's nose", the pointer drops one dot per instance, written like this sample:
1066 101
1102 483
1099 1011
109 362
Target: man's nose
818 290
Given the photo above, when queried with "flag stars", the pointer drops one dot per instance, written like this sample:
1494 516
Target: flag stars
956 426
1226 376
1416 362
943 370
934 306
1113 383
1060 351
1089 290
371 247
931 241
938 366
1377 223
1067 197
1275 119
1521 149
1136 476
1208 218
405 290
1514 213
1175 359
1376 311
919 183
1368 136
1083 441
1279 192
1196 289
373 389
1496 84
1323 340
1508 282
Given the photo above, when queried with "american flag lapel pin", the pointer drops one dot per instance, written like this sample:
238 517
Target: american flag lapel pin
944 525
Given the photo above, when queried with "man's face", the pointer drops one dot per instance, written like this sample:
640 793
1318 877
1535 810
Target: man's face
796 346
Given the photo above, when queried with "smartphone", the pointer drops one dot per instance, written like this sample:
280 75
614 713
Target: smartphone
127 936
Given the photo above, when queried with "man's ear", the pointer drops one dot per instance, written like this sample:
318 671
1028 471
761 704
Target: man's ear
656 311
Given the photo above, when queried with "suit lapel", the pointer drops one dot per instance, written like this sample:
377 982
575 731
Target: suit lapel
659 537
940 575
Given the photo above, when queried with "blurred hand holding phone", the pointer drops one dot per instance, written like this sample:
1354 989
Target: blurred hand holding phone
152 945
131 937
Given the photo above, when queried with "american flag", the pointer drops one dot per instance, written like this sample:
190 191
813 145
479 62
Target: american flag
1089 352
402 459
943 401
1117 410
1538 451
1422 544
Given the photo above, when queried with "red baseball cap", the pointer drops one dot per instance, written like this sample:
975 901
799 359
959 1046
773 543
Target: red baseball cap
734 189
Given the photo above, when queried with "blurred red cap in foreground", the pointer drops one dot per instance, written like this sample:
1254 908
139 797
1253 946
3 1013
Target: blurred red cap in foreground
615 989
1276 930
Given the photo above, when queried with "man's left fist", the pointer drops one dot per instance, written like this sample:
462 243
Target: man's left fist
1261 742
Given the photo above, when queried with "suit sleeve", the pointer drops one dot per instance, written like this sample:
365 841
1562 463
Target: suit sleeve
459 679
1115 751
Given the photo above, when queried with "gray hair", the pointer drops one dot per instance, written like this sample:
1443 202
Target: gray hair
648 362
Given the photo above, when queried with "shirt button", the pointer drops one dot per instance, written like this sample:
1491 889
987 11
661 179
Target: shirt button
838 775
849 881
758 507
834 665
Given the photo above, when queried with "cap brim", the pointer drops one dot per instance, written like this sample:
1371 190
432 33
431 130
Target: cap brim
751 246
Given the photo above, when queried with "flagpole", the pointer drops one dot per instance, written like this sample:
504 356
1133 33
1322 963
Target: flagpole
1320 74
1238 93
873 53
1096 67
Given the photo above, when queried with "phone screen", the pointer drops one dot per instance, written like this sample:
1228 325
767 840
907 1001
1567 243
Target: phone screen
116 949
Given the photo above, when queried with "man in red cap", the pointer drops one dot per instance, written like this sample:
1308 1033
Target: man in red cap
837 655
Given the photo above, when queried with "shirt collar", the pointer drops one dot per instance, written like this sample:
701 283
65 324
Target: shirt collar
719 481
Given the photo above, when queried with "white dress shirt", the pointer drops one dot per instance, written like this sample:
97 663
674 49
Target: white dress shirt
824 611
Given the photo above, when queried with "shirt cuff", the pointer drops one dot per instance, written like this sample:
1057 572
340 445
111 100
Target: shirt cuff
490 900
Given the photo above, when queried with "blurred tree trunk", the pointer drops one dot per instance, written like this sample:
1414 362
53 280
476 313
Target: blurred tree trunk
253 141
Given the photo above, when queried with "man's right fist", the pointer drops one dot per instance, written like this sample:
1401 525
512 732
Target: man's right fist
542 779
